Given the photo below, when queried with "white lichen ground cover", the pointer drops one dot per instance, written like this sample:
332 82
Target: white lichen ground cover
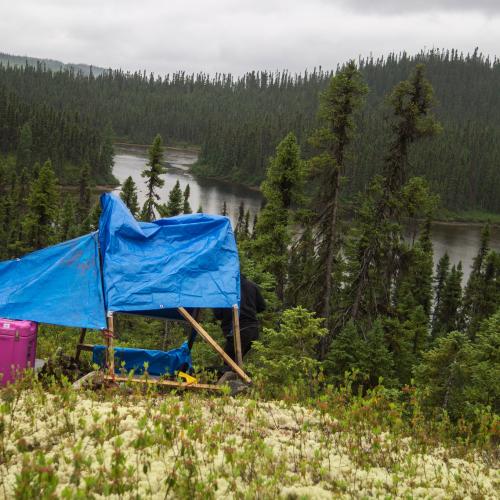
84 445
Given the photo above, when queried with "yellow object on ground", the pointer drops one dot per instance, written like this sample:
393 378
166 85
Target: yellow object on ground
188 378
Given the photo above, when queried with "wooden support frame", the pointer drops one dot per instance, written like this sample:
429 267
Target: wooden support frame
237 336
110 351
169 383
109 336
215 346
79 347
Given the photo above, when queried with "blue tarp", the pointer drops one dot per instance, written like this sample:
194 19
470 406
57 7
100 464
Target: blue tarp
184 261
158 362
149 268
60 285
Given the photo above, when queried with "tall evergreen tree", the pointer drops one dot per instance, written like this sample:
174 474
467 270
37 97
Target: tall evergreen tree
378 236
85 194
152 173
338 104
186 209
43 202
282 190
24 148
129 195
448 314
175 202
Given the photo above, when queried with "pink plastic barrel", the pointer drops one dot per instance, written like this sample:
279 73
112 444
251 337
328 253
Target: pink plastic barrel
17 348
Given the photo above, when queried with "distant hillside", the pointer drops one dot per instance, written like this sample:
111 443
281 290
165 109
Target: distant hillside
51 64
238 121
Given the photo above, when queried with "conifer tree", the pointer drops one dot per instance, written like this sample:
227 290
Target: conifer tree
240 223
152 173
43 201
448 313
224 209
128 195
200 209
175 202
475 289
24 148
282 189
67 227
85 194
377 237
186 206
338 104
442 273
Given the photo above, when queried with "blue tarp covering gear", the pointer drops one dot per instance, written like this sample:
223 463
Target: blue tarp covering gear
158 362
153 268
184 261
60 285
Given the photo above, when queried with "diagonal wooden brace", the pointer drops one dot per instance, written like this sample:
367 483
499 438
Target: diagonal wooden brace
215 346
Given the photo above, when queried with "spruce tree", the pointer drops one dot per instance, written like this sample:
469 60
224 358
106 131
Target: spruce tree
128 195
24 148
282 190
152 173
175 202
377 237
186 209
224 209
475 289
448 313
67 227
85 194
43 201
240 223
338 104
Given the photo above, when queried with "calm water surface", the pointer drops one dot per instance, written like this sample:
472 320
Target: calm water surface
461 241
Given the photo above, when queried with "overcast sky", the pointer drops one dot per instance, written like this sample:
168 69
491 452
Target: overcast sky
239 35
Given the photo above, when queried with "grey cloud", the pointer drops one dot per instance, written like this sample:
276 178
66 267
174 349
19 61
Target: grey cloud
235 35
405 7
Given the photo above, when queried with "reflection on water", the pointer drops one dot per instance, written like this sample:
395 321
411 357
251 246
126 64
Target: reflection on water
209 193
461 241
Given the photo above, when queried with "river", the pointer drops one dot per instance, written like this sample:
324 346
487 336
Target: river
460 240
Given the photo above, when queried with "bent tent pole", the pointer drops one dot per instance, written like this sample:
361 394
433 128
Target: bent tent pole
215 346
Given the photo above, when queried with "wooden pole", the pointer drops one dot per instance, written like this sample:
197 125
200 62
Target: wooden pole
110 346
215 346
237 336
80 342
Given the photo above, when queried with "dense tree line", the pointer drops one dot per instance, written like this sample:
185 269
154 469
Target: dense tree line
239 121
38 132
381 311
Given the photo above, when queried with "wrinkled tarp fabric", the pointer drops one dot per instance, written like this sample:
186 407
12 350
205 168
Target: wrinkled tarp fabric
59 285
158 362
148 268
185 261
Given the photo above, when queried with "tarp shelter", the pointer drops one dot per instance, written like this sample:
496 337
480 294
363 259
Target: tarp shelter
160 269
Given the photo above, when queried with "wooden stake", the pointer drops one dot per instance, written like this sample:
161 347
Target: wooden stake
215 346
236 336
110 345
80 342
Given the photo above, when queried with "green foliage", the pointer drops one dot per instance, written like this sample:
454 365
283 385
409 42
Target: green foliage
176 202
461 376
152 173
367 355
282 190
43 200
186 207
128 195
286 355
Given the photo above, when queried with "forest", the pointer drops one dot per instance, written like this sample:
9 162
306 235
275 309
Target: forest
238 121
